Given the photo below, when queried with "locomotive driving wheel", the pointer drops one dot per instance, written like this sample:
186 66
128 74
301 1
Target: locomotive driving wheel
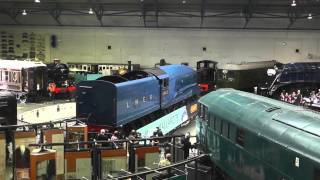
22 98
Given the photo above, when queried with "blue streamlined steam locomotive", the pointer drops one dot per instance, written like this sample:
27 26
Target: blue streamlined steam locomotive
136 96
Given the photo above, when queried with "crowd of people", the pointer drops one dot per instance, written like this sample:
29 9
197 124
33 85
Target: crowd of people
295 97
110 140
133 137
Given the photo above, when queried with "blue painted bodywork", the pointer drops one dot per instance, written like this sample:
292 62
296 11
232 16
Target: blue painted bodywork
182 84
116 104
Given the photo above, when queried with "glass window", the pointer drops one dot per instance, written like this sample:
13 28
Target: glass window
6 76
218 125
240 137
201 111
228 131
225 129
165 82
214 122
206 113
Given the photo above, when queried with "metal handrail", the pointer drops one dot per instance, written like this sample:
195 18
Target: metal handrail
161 168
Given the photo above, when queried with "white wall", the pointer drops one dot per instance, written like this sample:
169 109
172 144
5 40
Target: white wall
148 46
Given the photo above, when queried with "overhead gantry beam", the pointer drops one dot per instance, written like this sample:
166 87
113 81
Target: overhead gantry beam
55 13
247 11
99 14
203 11
156 2
293 16
13 14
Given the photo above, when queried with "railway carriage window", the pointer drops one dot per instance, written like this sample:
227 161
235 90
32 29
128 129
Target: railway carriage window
228 131
214 122
225 129
217 127
201 111
240 137
206 113
6 75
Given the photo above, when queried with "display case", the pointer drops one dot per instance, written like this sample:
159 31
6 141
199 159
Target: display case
43 164
56 136
113 161
78 164
77 132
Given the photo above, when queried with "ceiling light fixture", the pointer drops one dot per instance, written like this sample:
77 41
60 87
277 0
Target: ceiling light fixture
24 12
310 16
37 1
90 11
293 4
184 1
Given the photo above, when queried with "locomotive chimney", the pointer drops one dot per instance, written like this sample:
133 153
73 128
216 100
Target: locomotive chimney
129 66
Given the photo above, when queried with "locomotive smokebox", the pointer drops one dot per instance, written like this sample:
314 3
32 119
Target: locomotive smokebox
129 66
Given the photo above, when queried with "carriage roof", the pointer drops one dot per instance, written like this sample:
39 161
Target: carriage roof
18 64
247 65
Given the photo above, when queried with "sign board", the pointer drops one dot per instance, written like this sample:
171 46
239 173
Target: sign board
166 123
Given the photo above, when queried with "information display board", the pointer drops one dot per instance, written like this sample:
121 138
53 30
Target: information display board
166 123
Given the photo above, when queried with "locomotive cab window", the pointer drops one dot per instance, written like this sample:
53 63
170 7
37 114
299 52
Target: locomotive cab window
204 114
165 82
240 137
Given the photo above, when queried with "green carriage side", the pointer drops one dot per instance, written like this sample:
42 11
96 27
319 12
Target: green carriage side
251 137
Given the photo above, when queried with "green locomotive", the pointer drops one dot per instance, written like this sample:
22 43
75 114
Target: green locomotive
250 137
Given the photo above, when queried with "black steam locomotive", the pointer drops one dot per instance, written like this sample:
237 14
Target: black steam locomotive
206 73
